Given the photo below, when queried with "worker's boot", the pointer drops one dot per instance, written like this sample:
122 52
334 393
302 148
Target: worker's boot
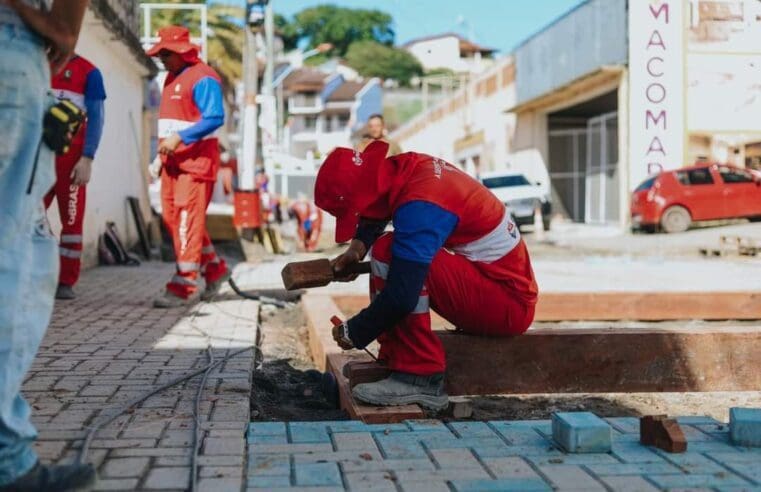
169 300
65 292
54 478
405 389
212 288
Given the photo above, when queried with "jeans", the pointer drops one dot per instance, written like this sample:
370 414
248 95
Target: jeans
28 251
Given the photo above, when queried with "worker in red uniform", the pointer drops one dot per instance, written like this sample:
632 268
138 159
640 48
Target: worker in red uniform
191 111
81 83
309 219
454 249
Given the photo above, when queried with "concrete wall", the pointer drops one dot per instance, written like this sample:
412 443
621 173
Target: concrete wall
590 36
117 169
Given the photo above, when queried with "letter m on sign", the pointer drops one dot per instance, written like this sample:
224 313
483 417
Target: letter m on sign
658 7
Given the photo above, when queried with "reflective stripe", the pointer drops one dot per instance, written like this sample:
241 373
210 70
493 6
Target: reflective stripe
183 231
423 305
75 97
187 266
69 253
206 250
494 245
179 279
168 126
379 269
71 238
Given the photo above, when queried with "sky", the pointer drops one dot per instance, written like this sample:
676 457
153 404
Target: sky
499 24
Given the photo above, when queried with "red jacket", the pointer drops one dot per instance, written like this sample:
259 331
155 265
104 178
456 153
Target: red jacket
70 83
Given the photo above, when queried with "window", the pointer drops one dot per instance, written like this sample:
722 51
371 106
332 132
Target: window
732 176
647 184
506 181
310 123
694 177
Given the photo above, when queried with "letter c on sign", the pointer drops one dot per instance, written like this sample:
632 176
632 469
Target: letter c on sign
650 69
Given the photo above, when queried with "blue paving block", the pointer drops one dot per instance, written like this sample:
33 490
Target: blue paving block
634 469
575 459
426 425
634 452
692 462
266 429
269 465
697 419
524 451
393 447
265 439
522 436
308 432
704 481
581 432
314 474
507 485
745 426
347 426
470 442
625 425
472 429
386 428
268 482
521 423
751 471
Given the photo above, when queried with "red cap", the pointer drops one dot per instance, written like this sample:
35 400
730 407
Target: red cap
173 38
347 183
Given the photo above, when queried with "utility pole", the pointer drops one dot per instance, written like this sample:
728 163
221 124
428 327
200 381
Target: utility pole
249 129
268 118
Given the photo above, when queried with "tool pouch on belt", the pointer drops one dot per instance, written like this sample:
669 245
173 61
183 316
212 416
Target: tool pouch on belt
61 123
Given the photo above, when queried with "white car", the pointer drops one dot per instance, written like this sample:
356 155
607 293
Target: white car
521 196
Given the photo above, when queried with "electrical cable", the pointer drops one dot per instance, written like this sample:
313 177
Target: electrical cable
254 297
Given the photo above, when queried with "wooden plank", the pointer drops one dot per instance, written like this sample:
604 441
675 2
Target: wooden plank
221 228
366 413
624 306
319 309
604 360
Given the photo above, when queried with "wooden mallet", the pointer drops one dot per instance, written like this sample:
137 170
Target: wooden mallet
317 273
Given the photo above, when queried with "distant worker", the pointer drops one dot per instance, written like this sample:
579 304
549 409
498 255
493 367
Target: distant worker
309 219
81 83
455 249
191 111
376 130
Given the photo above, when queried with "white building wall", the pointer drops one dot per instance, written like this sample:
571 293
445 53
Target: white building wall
438 53
117 171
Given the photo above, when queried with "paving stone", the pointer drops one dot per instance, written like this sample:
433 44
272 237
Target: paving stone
581 432
633 452
219 484
374 481
429 486
124 467
350 441
625 425
634 469
500 485
50 450
291 449
116 484
364 465
745 426
629 484
224 445
426 425
510 467
308 432
693 462
395 448
448 459
269 466
168 478
473 429
444 475
314 474
699 480
749 471
336 457
570 477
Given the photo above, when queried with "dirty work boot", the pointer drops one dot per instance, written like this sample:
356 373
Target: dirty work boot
170 300
212 288
65 292
54 478
404 389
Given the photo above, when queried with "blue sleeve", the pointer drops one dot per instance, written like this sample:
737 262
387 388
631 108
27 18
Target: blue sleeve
95 94
207 96
420 230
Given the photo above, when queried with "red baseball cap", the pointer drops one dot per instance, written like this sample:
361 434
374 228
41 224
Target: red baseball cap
173 38
347 183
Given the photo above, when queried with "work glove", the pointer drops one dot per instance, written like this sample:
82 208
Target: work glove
154 168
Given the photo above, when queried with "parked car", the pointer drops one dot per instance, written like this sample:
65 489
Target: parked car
521 196
672 200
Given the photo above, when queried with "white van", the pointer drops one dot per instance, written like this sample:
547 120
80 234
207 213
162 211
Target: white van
521 195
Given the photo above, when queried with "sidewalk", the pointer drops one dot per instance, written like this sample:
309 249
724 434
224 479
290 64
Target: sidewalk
110 346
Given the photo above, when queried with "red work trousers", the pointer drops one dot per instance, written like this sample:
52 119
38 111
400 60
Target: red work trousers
458 291
184 200
71 209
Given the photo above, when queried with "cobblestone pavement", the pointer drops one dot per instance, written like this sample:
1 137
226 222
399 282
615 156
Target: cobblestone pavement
487 456
110 346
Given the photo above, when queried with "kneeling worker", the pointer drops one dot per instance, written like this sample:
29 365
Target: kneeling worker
454 249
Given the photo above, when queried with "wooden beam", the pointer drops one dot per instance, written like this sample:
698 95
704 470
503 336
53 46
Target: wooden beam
366 413
604 361
319 309
623 306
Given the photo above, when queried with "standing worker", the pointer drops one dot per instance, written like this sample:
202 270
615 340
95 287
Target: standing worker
309 220
454 248
191 111
376 130
81 83
36 38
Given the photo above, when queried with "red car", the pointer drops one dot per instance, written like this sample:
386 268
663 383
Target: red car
672 200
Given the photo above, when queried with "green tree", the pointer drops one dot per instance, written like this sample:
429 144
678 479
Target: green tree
225 40
342 26
372 59
287 31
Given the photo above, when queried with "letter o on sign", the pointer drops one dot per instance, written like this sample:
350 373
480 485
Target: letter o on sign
655 93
